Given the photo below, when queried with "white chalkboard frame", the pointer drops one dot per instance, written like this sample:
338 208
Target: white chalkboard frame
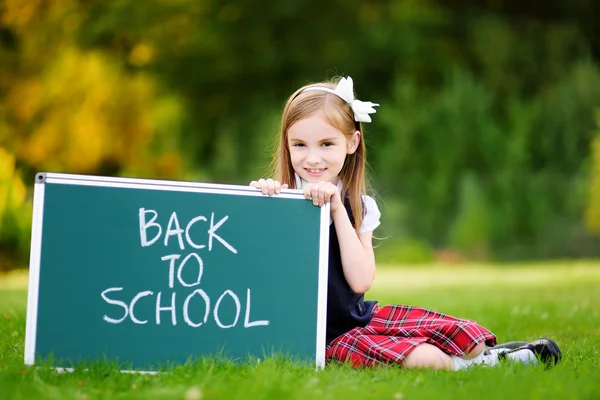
168 185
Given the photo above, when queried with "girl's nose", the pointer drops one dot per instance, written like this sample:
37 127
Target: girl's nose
313 157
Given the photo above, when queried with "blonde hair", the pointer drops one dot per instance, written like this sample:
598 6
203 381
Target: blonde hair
337 113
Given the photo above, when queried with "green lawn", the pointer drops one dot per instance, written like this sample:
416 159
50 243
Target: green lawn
560 300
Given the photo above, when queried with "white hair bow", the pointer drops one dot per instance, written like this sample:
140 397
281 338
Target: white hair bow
345 90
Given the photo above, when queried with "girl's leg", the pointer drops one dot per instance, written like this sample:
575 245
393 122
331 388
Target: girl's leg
475 352
429 356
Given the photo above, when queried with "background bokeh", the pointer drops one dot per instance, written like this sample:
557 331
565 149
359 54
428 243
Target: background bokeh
486 145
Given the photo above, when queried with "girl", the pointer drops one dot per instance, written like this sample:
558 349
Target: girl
321 151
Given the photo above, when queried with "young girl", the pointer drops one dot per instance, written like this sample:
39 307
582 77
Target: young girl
321 151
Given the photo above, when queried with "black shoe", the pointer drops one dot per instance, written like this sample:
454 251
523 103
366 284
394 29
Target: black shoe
544 349
506 346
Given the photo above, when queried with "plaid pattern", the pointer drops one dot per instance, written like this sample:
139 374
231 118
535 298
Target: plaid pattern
395 331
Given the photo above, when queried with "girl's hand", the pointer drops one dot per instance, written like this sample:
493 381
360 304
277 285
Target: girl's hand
269 186
322 193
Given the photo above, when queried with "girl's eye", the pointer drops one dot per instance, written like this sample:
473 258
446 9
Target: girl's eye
327 144
298 144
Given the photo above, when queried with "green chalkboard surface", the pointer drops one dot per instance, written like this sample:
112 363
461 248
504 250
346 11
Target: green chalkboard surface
152 273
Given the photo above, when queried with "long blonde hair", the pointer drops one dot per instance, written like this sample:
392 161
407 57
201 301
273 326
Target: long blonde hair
337 113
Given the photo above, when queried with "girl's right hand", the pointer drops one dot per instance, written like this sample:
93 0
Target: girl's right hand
269 186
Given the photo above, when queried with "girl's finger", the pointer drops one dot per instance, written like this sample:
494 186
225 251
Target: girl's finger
327 193
271 186
279 187
308 192
318 195
314 195
263 186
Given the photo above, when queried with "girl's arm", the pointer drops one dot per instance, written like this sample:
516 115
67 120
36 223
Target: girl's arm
358 258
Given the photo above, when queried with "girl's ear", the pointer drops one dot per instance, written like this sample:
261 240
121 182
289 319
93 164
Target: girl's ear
353 142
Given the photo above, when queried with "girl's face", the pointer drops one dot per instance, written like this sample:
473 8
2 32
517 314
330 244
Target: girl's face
318 150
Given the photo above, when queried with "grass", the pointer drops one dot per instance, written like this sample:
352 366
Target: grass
526 302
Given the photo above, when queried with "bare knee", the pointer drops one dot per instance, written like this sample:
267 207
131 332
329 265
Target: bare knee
428 356
475 352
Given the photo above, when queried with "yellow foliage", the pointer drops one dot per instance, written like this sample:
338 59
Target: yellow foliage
15 211
22 15
12 190
7 165
25 100
593 209
67 109
87 112
141 54
18 13
78 111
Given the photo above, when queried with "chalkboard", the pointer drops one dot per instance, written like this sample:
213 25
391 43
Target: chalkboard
150 273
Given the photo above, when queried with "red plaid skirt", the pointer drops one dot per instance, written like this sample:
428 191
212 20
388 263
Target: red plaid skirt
395 331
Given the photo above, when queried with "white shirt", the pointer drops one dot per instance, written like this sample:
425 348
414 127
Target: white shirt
372 217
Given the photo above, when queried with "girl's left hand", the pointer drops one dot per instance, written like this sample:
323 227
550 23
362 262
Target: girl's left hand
322 193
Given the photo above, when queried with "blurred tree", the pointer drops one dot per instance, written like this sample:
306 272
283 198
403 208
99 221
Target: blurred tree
15 214
578 14
235 63
66 109
471 232
593 208
502 91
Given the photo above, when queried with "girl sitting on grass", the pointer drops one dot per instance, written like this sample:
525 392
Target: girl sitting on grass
321 151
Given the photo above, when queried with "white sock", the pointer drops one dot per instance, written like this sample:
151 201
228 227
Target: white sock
462 363
523 356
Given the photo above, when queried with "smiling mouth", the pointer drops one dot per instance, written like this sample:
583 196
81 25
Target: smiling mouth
315 171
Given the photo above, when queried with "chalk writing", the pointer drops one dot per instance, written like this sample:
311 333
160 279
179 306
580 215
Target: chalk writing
128 308
174 229
166 302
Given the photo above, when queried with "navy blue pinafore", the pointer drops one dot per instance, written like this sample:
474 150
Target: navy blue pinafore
345 309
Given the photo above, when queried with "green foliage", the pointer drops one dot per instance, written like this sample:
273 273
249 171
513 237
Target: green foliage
190 89
593 208
470 231
78 110
15 213
469 171
409 250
